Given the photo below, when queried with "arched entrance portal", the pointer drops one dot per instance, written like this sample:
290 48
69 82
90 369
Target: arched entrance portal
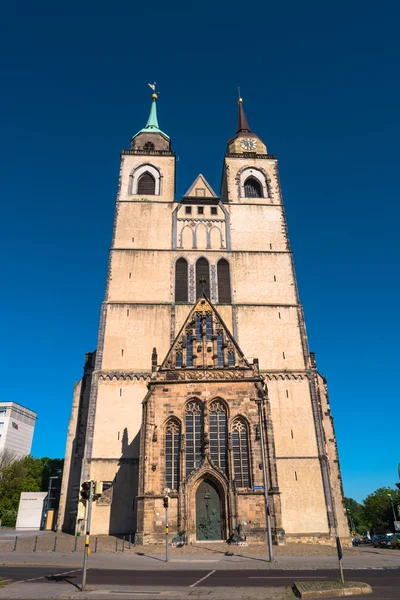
209 516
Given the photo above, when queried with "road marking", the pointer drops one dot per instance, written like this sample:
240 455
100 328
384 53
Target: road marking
287 577
202 579
53 575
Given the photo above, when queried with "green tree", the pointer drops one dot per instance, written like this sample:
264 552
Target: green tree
378 509
27 474
356 516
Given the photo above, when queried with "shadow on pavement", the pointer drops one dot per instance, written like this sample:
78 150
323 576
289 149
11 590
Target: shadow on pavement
59 578
149 556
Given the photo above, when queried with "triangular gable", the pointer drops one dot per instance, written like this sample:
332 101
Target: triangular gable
200 188
204 342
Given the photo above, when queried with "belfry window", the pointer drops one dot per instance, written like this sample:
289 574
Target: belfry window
194 436
240 454
224 282
202 277
252 188
148 147
218 435
146 184
172 455
181 280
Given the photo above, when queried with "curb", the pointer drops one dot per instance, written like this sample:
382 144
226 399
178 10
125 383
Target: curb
330 589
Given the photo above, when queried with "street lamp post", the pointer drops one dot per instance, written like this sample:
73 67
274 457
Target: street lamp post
394 512
351 520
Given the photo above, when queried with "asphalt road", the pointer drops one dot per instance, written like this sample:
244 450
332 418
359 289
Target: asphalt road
385 583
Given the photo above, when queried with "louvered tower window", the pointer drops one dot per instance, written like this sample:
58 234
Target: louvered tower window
146 184
240 454
194 436
148 147
202 277
224 282
218 435
181 280
252 188
172 454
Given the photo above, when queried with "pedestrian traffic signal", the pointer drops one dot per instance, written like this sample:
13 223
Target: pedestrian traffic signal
166 501
85 490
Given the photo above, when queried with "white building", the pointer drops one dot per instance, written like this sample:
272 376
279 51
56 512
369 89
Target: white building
17 425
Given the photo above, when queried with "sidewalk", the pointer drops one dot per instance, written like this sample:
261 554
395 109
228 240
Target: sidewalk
44 591
367 558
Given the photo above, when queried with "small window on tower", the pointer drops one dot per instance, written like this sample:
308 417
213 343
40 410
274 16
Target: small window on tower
214 210
148 147
188 210
200 210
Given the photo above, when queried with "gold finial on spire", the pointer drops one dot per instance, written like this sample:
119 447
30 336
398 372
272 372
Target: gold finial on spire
240 99
153 87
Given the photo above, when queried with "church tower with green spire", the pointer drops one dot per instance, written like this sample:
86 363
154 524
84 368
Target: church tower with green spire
202 382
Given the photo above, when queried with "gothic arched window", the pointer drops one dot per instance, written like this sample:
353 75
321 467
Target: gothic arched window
240 444
252 188
146 184
194 436
202 277
172 454
148 147
224 281
218 435
181 280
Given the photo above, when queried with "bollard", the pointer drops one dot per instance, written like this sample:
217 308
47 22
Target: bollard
129 541
35 544
95 544
55 543
15 543
76 541
116 544
123 543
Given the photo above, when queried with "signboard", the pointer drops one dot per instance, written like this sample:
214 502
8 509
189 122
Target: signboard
257 488
339 548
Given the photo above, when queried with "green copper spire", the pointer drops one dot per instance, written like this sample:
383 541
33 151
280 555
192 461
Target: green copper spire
152 122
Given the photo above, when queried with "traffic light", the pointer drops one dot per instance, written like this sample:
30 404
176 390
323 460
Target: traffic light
166 501
85 490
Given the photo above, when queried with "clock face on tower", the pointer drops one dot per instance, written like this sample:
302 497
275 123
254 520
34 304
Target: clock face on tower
248 144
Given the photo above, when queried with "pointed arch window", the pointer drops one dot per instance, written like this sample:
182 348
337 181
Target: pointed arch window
252 188
194 436
240 444
181 280
172 455
202 277
224 282
146 184
218 435
148 147
220 349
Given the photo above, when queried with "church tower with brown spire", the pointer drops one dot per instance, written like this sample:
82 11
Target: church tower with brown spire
202 382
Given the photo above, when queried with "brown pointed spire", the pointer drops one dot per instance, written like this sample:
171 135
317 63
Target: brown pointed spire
243 126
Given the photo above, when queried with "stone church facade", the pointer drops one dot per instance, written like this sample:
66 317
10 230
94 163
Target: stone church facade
202 360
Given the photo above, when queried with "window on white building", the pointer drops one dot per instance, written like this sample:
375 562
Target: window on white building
1 425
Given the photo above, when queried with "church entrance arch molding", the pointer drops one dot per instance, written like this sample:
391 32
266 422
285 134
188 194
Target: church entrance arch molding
207 507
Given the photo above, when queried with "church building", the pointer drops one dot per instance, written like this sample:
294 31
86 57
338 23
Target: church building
202 382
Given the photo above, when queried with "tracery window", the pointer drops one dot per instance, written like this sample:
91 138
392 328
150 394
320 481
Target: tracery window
240 445
148 147
220 349
146 184
172 454
252 188
181 280
189 350
218 435
194 436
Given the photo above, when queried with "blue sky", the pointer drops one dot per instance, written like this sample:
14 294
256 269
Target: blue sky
321 88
